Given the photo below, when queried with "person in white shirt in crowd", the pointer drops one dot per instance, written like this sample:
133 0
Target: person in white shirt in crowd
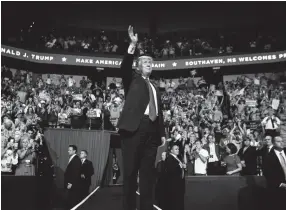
71 81
271 124
200 156
62 118
48 80
9 156
9 159
214 150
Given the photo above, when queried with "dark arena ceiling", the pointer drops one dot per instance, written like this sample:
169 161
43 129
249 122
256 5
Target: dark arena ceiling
118 15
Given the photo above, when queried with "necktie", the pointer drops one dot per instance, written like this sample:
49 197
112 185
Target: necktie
183 170
82 161
272 123
152 106
283 163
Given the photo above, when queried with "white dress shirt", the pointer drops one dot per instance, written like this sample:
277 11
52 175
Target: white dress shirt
180 164
71 157
200 166
82 160
71 82
280 158
8 160
268 124
155 99
213 157
269 148
131 49
176 158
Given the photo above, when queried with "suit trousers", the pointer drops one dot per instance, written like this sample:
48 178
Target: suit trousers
84 191
276 197
139 151
214 168
73 197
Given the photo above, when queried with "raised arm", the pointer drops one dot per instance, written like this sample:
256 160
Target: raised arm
126 65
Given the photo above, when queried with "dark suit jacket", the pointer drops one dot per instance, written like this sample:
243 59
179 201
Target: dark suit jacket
274 173
160 169
87 170
263 152
250 158
175 185
161 183
217 150
174 181
72 173
136 98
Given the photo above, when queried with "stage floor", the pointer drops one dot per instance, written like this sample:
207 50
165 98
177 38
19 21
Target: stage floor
108 198
204 193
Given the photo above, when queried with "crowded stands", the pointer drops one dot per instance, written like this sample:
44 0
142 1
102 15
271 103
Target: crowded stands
239 112
165 46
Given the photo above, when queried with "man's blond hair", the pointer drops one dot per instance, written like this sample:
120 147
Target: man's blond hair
139 60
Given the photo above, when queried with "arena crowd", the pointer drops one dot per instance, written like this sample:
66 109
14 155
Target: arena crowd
222 121
234 115
165 45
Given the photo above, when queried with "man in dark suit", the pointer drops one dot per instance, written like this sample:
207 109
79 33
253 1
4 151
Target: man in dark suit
160 183
248 156
72 178
214 150
275 173
86 173
264 150
175 180
140 127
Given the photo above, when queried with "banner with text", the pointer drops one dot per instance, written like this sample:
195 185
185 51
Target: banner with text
230 60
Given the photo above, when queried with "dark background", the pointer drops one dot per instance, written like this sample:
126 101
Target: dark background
145 16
